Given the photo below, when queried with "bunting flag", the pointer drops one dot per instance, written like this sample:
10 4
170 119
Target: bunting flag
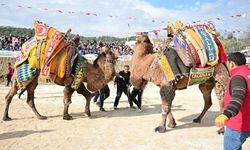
129 18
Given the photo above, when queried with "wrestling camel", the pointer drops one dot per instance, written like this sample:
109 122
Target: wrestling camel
142 72
96 76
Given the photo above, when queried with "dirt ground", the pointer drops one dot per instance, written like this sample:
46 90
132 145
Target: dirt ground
122 129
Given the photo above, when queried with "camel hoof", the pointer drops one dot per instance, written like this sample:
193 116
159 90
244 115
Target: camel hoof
42 117
197 121
172 125
7 118
221 131
67 117
88 113
160 129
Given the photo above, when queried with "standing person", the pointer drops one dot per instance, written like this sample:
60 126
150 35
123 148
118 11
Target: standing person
10 72
136 93
123 85
102 94
96 95
236 115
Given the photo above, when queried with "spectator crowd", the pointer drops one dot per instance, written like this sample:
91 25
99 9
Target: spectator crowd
14 43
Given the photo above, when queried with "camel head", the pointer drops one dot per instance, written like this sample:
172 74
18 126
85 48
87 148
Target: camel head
143 46
106 61
107 55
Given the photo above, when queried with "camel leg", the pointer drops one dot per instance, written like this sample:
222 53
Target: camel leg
220 91
68 91
206 89
82 90
167 96
8 98
172 122
30 98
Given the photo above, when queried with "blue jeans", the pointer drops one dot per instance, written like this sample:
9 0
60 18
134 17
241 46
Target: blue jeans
233 139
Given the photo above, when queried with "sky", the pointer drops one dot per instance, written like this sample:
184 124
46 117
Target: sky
123 18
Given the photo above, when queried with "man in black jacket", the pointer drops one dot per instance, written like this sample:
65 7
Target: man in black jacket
103 94
123 85
136 93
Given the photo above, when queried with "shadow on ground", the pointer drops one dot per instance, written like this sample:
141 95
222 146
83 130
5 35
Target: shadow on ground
207 120
18 134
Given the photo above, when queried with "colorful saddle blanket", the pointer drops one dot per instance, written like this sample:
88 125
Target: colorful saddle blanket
78 71
197 47
183 49
25 72
221 74
47 52
171 65
209 44
200 75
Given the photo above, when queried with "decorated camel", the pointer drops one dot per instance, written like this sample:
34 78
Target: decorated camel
173 74
71 73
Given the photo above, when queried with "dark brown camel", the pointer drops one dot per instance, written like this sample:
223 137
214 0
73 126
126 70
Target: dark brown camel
141 74
98 74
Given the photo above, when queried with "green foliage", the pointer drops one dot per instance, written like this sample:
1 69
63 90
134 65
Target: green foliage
232 44
6 31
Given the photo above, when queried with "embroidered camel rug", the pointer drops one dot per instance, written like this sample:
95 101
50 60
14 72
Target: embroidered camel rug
47 53
198 47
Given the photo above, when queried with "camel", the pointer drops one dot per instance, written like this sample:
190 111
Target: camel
97 75
141 68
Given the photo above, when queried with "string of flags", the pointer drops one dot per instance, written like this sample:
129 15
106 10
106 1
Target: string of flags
129 18
87 13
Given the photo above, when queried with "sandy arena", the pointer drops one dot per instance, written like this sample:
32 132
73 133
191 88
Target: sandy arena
122 129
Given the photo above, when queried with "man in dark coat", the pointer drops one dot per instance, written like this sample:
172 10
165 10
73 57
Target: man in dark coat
123 85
